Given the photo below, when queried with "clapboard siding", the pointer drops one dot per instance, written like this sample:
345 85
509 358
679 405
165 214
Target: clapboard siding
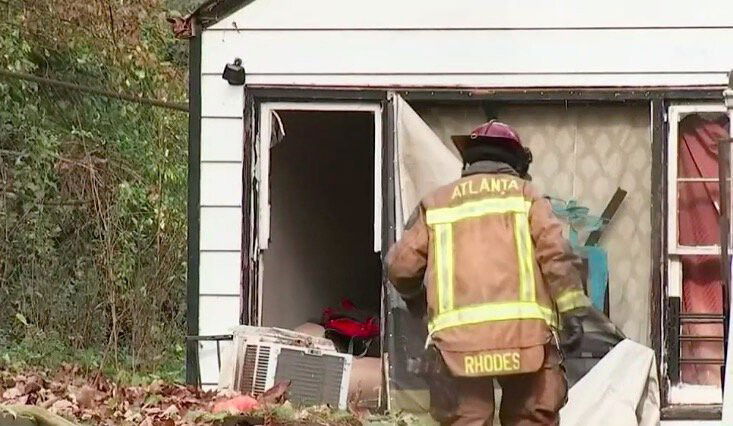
472 58
221 138
470 51
269 14
219 272
218 314
221 181
221 184
218 98
221 228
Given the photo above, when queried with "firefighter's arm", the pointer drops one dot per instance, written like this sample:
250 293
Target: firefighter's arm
559 265
407 259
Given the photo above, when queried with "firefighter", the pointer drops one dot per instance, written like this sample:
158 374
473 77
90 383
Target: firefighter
488 255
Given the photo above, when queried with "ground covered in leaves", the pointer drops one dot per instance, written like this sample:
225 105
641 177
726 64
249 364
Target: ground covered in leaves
96 400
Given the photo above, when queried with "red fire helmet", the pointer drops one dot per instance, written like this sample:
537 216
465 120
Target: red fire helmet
490 132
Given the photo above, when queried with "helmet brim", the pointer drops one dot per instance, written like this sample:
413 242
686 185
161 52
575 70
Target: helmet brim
461 141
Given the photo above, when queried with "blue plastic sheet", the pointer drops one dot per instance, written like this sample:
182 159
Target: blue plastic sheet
580 220
597 275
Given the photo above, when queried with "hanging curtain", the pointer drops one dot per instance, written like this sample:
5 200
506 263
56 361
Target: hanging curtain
698 226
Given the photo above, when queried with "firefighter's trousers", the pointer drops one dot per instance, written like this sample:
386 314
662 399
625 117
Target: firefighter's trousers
527 399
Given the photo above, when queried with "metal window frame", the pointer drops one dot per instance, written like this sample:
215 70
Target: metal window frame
676 113
674 319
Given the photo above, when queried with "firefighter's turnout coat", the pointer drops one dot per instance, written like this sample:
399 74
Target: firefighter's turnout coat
496 268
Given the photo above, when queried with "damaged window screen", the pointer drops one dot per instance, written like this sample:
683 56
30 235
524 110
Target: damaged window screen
696 252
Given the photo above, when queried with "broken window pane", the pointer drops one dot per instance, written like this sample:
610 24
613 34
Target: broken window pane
699 135
698 213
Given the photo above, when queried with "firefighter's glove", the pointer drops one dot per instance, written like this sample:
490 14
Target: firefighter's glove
572 331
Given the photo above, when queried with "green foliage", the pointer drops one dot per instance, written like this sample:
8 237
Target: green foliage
92 190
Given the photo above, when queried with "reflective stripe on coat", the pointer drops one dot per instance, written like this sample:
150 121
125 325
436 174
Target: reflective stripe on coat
496 266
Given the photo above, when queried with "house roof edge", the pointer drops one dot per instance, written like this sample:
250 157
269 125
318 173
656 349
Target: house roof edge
206 15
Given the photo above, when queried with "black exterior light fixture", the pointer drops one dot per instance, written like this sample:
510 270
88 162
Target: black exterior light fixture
234 73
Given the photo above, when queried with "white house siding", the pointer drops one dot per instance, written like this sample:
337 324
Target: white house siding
220 216
319 14
473 43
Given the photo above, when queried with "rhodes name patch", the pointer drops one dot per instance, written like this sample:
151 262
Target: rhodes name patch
492 363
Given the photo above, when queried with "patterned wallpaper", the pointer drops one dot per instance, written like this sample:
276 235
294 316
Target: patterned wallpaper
585 152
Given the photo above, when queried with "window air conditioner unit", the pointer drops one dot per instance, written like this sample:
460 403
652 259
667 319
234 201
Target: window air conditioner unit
262 357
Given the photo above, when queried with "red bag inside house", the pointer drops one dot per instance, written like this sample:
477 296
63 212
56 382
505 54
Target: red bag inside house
352 330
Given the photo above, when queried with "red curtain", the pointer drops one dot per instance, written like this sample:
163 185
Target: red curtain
698 206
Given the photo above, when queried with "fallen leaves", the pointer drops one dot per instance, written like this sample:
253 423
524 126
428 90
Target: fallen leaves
25 389
62 407
87 396
100 401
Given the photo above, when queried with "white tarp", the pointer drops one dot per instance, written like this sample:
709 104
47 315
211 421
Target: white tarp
424 162
621 390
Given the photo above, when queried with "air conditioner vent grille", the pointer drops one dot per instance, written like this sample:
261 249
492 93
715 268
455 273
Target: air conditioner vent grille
315 379
248 368
263 363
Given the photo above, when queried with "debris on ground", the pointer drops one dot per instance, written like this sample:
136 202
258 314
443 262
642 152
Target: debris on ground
97 400
68 397
238 404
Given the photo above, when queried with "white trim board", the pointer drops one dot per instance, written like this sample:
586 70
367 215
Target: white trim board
490 81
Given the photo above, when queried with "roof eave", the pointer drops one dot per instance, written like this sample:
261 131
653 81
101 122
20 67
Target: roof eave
213 11
206 15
